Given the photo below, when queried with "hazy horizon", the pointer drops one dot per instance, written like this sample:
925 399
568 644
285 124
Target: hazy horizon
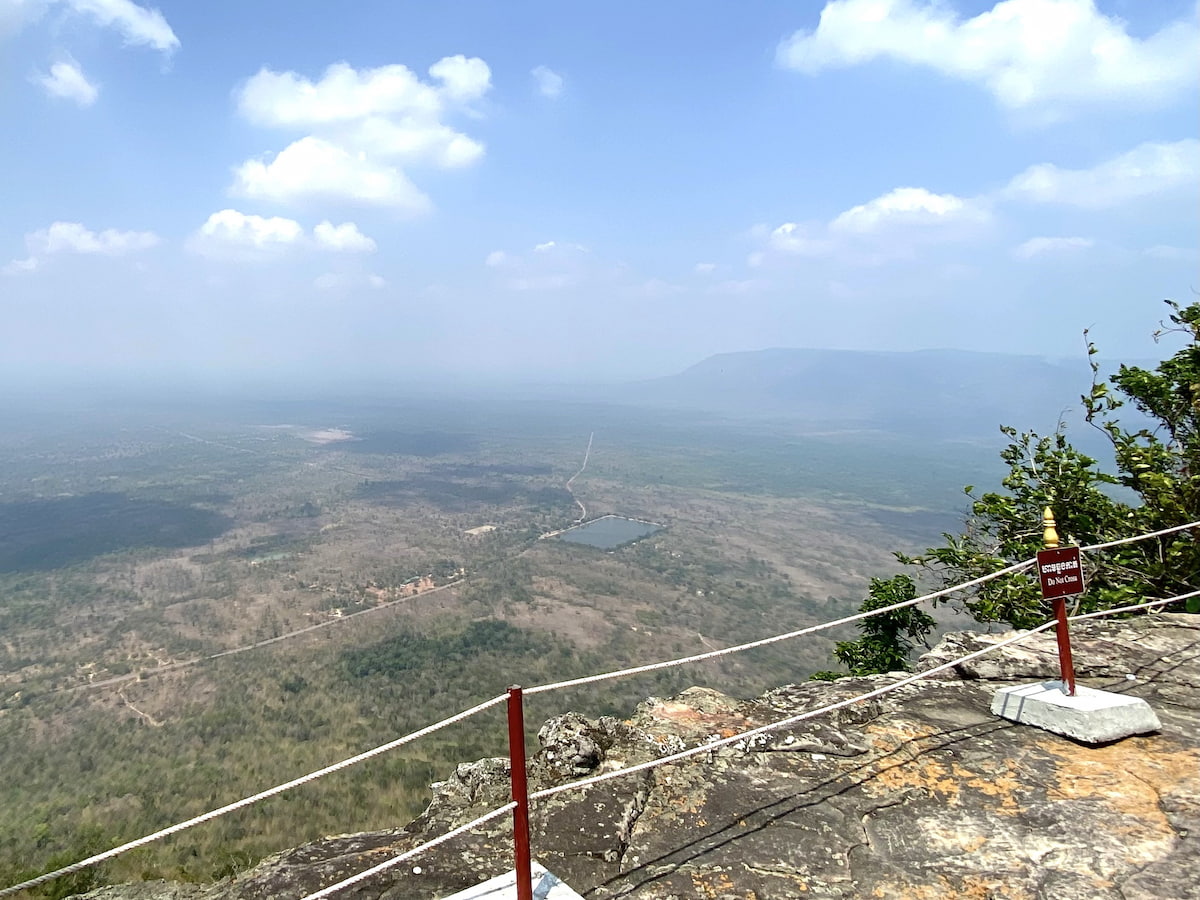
475 192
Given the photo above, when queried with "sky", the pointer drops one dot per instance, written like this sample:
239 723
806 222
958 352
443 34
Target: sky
391 191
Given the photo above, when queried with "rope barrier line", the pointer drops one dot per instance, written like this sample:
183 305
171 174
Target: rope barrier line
256 645
409 854
712 745
278 789
1024 635
712 654
246 801
326 892
791 720
1141 537
1136 606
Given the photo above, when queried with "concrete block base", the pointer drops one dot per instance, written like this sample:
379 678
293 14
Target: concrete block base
1091 716
546 886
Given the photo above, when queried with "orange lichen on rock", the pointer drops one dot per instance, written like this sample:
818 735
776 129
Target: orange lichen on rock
717 885
686 717
905 763
1003 785
1131 778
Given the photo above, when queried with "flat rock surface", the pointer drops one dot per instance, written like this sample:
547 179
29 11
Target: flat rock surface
918 793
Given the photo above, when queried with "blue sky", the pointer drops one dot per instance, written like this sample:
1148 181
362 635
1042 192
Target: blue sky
243 190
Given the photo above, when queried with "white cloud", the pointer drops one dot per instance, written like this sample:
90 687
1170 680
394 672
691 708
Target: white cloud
705 268
1149 168
557 248
137 24
463 79
230 234
898 224
795 239
17 266
907 207
891 226
312 167
548 82
344 94
345 237
548 266
1027 53
1039 246
413 140
67 82
72 237
365 125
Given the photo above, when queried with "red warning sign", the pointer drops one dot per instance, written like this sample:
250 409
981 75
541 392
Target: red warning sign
1060 571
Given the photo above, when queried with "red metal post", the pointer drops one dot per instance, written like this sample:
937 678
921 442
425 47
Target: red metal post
520 794
1066 666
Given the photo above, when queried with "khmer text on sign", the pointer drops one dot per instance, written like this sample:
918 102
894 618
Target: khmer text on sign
1060 571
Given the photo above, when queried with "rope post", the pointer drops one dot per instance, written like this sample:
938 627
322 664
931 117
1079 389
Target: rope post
520 794
1066 665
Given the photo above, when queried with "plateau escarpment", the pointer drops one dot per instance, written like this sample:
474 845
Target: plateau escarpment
919 792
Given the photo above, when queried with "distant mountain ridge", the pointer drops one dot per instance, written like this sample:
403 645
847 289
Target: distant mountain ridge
941 393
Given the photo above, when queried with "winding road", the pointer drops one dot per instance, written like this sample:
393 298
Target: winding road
586 456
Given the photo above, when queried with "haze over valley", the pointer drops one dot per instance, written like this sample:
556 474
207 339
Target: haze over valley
189 580
359 362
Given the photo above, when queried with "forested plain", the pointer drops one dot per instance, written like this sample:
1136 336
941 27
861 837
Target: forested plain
141 542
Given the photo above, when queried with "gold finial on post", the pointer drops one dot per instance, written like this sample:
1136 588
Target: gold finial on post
1049 532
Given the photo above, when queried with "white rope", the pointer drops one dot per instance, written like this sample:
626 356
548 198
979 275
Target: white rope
539 795
246 801
409 854
1141 537
256 645
712 745
383 748
1136 606
712 654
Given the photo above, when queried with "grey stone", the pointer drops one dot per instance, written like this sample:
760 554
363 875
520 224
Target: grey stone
1087 715
918 793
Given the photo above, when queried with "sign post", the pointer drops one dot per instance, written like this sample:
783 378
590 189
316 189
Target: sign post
520 793
1083 713
1061 574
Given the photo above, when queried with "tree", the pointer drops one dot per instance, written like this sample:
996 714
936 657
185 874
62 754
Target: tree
887 639
1159 466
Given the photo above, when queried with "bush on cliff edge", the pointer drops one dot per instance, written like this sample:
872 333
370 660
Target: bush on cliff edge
1158 463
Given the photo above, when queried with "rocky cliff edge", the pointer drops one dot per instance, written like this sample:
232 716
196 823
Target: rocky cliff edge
919 793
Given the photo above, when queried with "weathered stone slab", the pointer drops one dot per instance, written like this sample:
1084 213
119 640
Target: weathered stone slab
546 886
1089 715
